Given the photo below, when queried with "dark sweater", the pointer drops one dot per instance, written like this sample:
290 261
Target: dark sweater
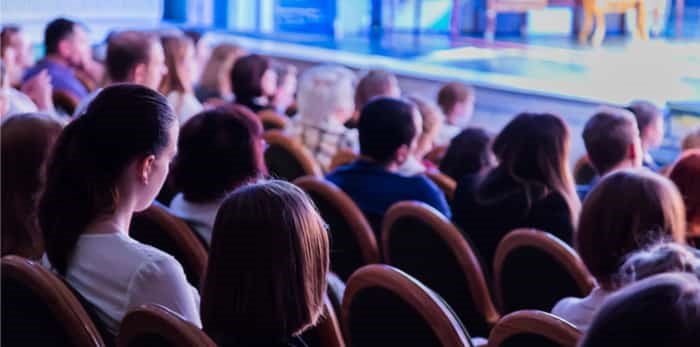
487 208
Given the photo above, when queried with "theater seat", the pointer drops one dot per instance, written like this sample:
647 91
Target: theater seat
156 326
272 120
531 328
287 159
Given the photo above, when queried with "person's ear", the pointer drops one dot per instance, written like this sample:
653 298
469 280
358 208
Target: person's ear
402 154
138 73
145 167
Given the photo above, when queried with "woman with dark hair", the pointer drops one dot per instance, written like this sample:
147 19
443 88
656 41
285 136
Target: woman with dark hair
663 310
254 82
266 277
27 140
685 173
106 165
218 151
532 186
627 211
469 153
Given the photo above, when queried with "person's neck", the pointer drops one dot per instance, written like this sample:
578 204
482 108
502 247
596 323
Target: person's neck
627 164
118 221
392 166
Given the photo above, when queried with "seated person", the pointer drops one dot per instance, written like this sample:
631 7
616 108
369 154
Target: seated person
659 258
691 140
457 103
469 153
215 82
650 121
373 84
428 123
132 57
627 211
178 83
612 142
685 173
283 98
12 38
254 82
266 278
531 187
663 310
387 136
325 103
66 51
218 151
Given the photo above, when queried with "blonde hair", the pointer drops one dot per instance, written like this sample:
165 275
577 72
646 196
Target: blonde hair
175 48
432 118
658 258
322 90
215 75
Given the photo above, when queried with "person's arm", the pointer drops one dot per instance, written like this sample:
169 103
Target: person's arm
163 282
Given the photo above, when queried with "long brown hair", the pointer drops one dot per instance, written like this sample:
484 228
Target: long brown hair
27 140
215 75
123 123
533 149
266 277
176 48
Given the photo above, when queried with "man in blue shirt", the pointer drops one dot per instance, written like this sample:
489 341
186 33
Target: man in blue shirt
613 143
66 50
387 132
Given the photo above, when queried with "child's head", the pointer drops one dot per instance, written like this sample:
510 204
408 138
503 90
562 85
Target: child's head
457 102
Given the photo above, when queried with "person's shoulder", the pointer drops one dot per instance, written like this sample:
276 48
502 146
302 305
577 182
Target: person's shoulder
566 307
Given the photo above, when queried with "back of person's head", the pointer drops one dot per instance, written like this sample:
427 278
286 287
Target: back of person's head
612 138
27 140
659 258
56 31
468 153
649 122
685 173
386 124
266 277
326 91
373 84
432 119
627 210
663 310
452 94
533 149
7 35
218 150
128 56
247 76
179 59
691 140
215 75
125 126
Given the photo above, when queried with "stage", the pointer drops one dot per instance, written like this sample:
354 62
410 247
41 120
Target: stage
512 75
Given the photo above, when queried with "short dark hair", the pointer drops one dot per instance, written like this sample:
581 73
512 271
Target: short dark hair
385 125
645 112
218 150
266 277
56 31
123 122
246 76
125 50
468 153
607 137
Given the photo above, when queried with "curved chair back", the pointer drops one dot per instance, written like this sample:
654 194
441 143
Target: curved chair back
272 120
383 306
420 241
444 182
533 328
64 102
327 331
353 243
534 270
287 159
157 227
39 310
156 326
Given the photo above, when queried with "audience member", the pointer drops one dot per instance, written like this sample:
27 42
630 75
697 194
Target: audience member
662 310
659 258
387 136
202 51
66 47
612 141
627 211
218 151
215 82
178 83
413 165
469 153
650 121
254 82
432 120
12 38
686 175
531 187
266 277
325 101
283 97
373 84
106 165
691 140
27 140
132 57
457 102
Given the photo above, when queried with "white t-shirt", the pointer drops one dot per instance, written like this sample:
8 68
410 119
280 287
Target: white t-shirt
184 105
580 311
203 215
116 273
446 133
